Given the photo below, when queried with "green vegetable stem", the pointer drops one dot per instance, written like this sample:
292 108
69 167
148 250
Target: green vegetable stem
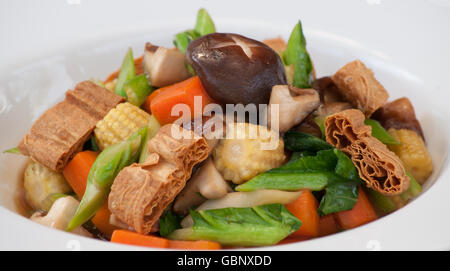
380 133
126 73
328 169
14 150
137 89
256 226
296 54
204 24
102 174
153 127
183 39
387 204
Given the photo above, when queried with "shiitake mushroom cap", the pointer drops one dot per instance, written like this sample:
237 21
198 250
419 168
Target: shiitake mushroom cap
235 69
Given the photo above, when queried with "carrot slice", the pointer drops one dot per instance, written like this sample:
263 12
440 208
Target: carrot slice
101 220
194 245
148 102
293 239
327 225
132 238
76 173
181 93
305 209
361 213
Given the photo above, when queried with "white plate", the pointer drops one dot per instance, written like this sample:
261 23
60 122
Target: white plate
48 46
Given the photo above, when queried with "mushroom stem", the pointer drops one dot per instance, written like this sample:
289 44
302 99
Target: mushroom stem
294 104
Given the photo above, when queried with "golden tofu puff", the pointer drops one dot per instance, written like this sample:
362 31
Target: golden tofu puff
119 124
247 151
413 153
41 182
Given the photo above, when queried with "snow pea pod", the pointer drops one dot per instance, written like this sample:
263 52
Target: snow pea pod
126 73
137 90
102 174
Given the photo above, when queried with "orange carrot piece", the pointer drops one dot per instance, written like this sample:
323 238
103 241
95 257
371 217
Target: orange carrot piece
361 213
148 101
327 225
180 93
305 209
101 220
293 239
132 238
194 245
139 69
77 171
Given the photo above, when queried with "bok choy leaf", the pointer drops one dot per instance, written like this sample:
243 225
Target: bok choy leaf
256 226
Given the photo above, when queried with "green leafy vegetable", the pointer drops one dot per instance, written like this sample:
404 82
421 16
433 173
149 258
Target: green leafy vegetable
137 89
257 226
298 141
127 72
380 133
299 154
296 54
14 150
204 24
168 223
328 169
339 197
342 195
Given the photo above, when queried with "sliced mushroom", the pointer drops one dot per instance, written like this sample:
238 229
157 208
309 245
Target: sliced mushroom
328 91
206 183
295 105
60 215
246 199
164 66
234 69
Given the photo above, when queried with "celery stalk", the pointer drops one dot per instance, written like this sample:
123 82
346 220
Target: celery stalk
126 73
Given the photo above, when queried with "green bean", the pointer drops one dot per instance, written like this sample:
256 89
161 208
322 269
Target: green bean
183 39
102 174
380 133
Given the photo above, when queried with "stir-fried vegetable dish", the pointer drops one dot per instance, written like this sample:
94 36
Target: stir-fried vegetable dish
221 142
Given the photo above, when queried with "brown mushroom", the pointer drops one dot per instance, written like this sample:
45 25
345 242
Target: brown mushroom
234 69
206 183
399 114
295 105
164 66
